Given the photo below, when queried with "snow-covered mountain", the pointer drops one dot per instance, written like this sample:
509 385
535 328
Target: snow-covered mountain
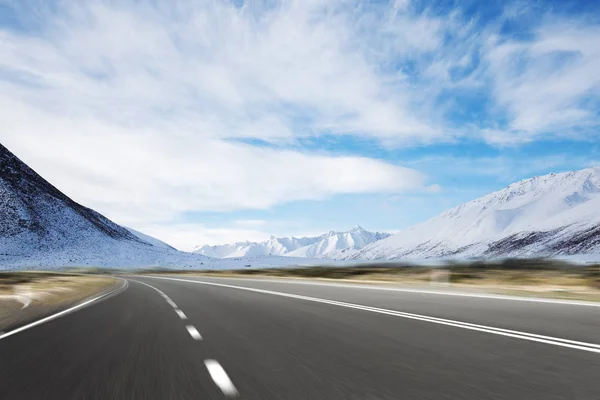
150 239
329 245
334 244
42 227
551 215
274 246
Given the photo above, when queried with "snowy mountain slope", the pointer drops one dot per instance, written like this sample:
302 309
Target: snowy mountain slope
40 226
149 239
324 246
335 243
551 215
273 246
220 251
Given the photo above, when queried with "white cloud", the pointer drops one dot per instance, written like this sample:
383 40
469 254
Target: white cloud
505 138
130 107
549 85
224 71
251 222
281 70
187 236
136 175
401 5
504 168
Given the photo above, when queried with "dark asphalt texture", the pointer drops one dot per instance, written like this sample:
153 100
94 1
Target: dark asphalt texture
134 346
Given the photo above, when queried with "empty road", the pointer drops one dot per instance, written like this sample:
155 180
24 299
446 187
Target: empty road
181 337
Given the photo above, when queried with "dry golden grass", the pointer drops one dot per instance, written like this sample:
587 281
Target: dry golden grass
44 292
552 280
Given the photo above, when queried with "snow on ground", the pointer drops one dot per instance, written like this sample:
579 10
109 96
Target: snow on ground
149 239
120 256
551 215
328 245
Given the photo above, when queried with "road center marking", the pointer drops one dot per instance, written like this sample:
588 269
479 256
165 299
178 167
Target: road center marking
167 298
555 341
219 376
171 303
180 313
193 332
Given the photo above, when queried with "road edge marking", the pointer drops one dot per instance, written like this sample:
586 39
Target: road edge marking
67 311
556 341
565 302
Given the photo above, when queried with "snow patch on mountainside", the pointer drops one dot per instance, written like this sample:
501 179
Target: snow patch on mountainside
149 239
551 215
334 243
329 245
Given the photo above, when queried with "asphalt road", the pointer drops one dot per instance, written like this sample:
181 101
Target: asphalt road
210 338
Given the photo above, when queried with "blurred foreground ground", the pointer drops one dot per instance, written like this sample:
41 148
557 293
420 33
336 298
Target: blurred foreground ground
162 336
25 296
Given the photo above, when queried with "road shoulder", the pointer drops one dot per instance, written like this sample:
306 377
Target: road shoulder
29 296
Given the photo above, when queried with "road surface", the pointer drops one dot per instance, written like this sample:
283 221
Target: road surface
181 337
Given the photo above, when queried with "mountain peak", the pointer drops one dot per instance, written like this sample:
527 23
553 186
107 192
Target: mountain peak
41 226
323 246
548 215
36 198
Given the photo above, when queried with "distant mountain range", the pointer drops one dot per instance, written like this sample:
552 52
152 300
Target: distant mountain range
328 245
551 215
42 227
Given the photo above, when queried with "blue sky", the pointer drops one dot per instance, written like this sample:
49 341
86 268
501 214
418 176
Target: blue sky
216 121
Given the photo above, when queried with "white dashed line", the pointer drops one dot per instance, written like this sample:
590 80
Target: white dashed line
180 313
194 332
190 328
219 376
171 303
167 298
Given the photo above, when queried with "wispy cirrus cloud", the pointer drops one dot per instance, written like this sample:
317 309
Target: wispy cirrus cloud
142 101
548 85
296 68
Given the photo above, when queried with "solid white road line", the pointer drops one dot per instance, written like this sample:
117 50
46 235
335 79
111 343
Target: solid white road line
555 341
219 376
426 291
68 310
180 313
193 332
